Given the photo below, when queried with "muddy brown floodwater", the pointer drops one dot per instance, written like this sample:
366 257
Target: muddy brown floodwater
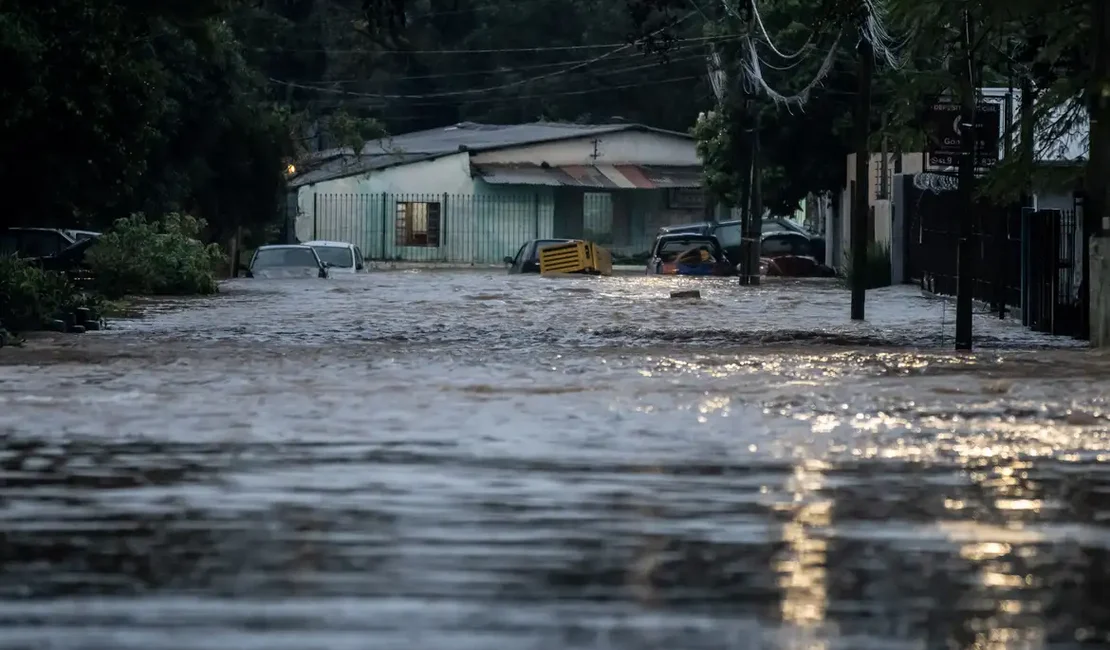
467 460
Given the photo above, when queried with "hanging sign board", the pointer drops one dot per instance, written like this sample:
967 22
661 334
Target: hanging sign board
942 135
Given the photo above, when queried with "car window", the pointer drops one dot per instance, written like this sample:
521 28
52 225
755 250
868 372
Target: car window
782 225
540 245
284 257
360 261
785 244
728 235
36 243
340 257
771 226
519 253
668 251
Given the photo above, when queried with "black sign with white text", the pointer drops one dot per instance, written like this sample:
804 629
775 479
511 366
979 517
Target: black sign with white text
942 134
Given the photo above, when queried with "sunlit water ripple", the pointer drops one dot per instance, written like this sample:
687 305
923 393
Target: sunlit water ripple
470 460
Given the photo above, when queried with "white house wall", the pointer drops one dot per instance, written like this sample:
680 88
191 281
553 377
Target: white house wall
911 163
479 224
632 147
447 175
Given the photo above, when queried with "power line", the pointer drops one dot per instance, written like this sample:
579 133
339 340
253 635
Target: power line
509 70
480 8
321 87
506 50
584 91
512 84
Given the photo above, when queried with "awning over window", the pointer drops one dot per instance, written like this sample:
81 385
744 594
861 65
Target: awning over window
611 177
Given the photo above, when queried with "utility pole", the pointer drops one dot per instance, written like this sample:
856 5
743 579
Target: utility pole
861 202
965 265
1001 244
1026 152
755 222
1096 206
745 203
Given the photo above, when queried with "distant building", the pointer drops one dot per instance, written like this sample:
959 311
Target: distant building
476 192
1059 157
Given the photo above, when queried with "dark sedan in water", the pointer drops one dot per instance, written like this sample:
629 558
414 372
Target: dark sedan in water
527 259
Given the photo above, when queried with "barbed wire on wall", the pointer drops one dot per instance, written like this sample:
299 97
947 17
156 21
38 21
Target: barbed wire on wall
935 182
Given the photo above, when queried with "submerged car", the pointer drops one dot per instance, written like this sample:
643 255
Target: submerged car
40 242
289 261
689 254
527 259
71 260
788 254
343 257
729 234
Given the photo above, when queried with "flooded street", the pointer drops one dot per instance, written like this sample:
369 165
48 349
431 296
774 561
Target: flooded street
469 460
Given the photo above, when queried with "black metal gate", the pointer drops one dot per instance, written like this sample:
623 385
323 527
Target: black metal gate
932 236
1052 253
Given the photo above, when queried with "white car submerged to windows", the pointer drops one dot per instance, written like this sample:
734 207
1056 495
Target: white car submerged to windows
342 257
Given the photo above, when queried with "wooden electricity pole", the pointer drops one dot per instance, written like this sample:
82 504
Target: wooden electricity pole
860 201
1096 206
755 222
966 247
745 204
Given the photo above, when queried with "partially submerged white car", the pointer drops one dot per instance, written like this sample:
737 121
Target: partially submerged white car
341 257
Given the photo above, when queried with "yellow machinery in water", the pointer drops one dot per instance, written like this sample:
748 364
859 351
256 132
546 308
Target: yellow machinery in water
577 256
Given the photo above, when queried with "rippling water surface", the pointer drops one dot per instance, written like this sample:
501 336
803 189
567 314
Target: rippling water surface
469 460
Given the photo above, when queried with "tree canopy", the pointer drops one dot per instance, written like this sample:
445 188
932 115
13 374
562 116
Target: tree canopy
112 106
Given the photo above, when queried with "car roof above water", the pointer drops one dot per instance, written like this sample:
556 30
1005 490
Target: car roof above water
686 237
324 243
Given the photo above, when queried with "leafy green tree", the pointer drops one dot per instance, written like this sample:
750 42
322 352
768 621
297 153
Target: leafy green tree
113 107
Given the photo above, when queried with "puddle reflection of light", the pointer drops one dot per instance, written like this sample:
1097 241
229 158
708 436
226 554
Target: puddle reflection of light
997 552
802 570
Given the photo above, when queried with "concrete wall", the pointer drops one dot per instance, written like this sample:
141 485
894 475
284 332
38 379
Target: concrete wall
911 163
1054 201
1100 292
633 147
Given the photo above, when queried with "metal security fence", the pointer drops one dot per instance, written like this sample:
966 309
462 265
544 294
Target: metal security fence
1031 261
459 228
932 239
455 228
1053 273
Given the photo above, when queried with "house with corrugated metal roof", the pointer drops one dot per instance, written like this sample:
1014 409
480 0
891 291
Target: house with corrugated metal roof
474 193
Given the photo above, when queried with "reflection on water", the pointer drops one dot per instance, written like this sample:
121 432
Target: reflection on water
454 460
804 580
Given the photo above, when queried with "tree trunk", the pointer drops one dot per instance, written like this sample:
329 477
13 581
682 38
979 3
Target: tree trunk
861 202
